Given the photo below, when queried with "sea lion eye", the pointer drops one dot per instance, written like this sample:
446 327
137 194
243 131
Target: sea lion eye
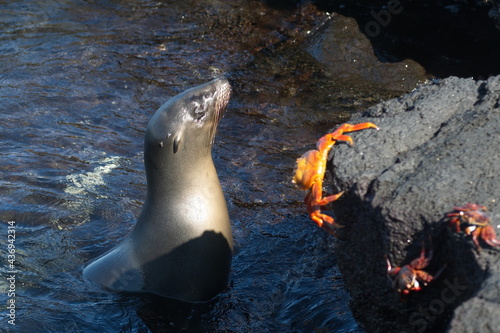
199 111
177 142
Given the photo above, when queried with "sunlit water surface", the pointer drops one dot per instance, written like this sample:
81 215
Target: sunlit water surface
79 81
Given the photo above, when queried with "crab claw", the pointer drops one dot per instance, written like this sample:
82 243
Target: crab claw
489 236
338 135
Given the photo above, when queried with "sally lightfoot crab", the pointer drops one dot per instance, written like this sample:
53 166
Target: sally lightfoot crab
310 171
412 277
472 219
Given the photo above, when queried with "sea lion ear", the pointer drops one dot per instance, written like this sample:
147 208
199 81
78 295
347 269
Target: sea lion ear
177 142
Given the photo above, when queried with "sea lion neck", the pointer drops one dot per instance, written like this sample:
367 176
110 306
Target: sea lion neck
165 172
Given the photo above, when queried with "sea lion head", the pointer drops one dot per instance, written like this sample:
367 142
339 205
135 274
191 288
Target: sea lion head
186 124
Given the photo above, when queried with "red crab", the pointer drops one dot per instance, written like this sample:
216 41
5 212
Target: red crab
410 277
310 171
471 219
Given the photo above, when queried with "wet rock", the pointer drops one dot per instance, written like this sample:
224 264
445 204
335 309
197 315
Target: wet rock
494 12
437 148
347 53
446 37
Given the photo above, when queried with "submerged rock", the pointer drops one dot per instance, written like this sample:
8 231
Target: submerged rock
437 147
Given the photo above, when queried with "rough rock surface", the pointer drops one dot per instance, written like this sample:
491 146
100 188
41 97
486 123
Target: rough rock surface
437 147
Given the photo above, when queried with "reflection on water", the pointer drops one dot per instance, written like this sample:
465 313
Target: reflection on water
79 81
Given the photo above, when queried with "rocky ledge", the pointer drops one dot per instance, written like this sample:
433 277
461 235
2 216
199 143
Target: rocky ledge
437 147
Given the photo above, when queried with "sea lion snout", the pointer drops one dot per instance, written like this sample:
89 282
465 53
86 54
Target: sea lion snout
224 92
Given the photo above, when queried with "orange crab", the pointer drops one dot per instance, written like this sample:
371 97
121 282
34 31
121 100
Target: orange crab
310 171
410 277
471 218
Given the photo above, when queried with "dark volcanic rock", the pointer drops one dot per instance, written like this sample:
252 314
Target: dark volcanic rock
437 147
346 53
494 12
446 37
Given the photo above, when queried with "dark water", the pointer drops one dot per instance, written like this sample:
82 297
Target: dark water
79 81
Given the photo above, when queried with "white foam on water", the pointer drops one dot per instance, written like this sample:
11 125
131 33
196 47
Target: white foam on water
86 188
81 183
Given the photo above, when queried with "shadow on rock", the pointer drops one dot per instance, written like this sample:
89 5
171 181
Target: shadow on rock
437 148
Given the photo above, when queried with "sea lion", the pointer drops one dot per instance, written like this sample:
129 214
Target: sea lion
181 246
